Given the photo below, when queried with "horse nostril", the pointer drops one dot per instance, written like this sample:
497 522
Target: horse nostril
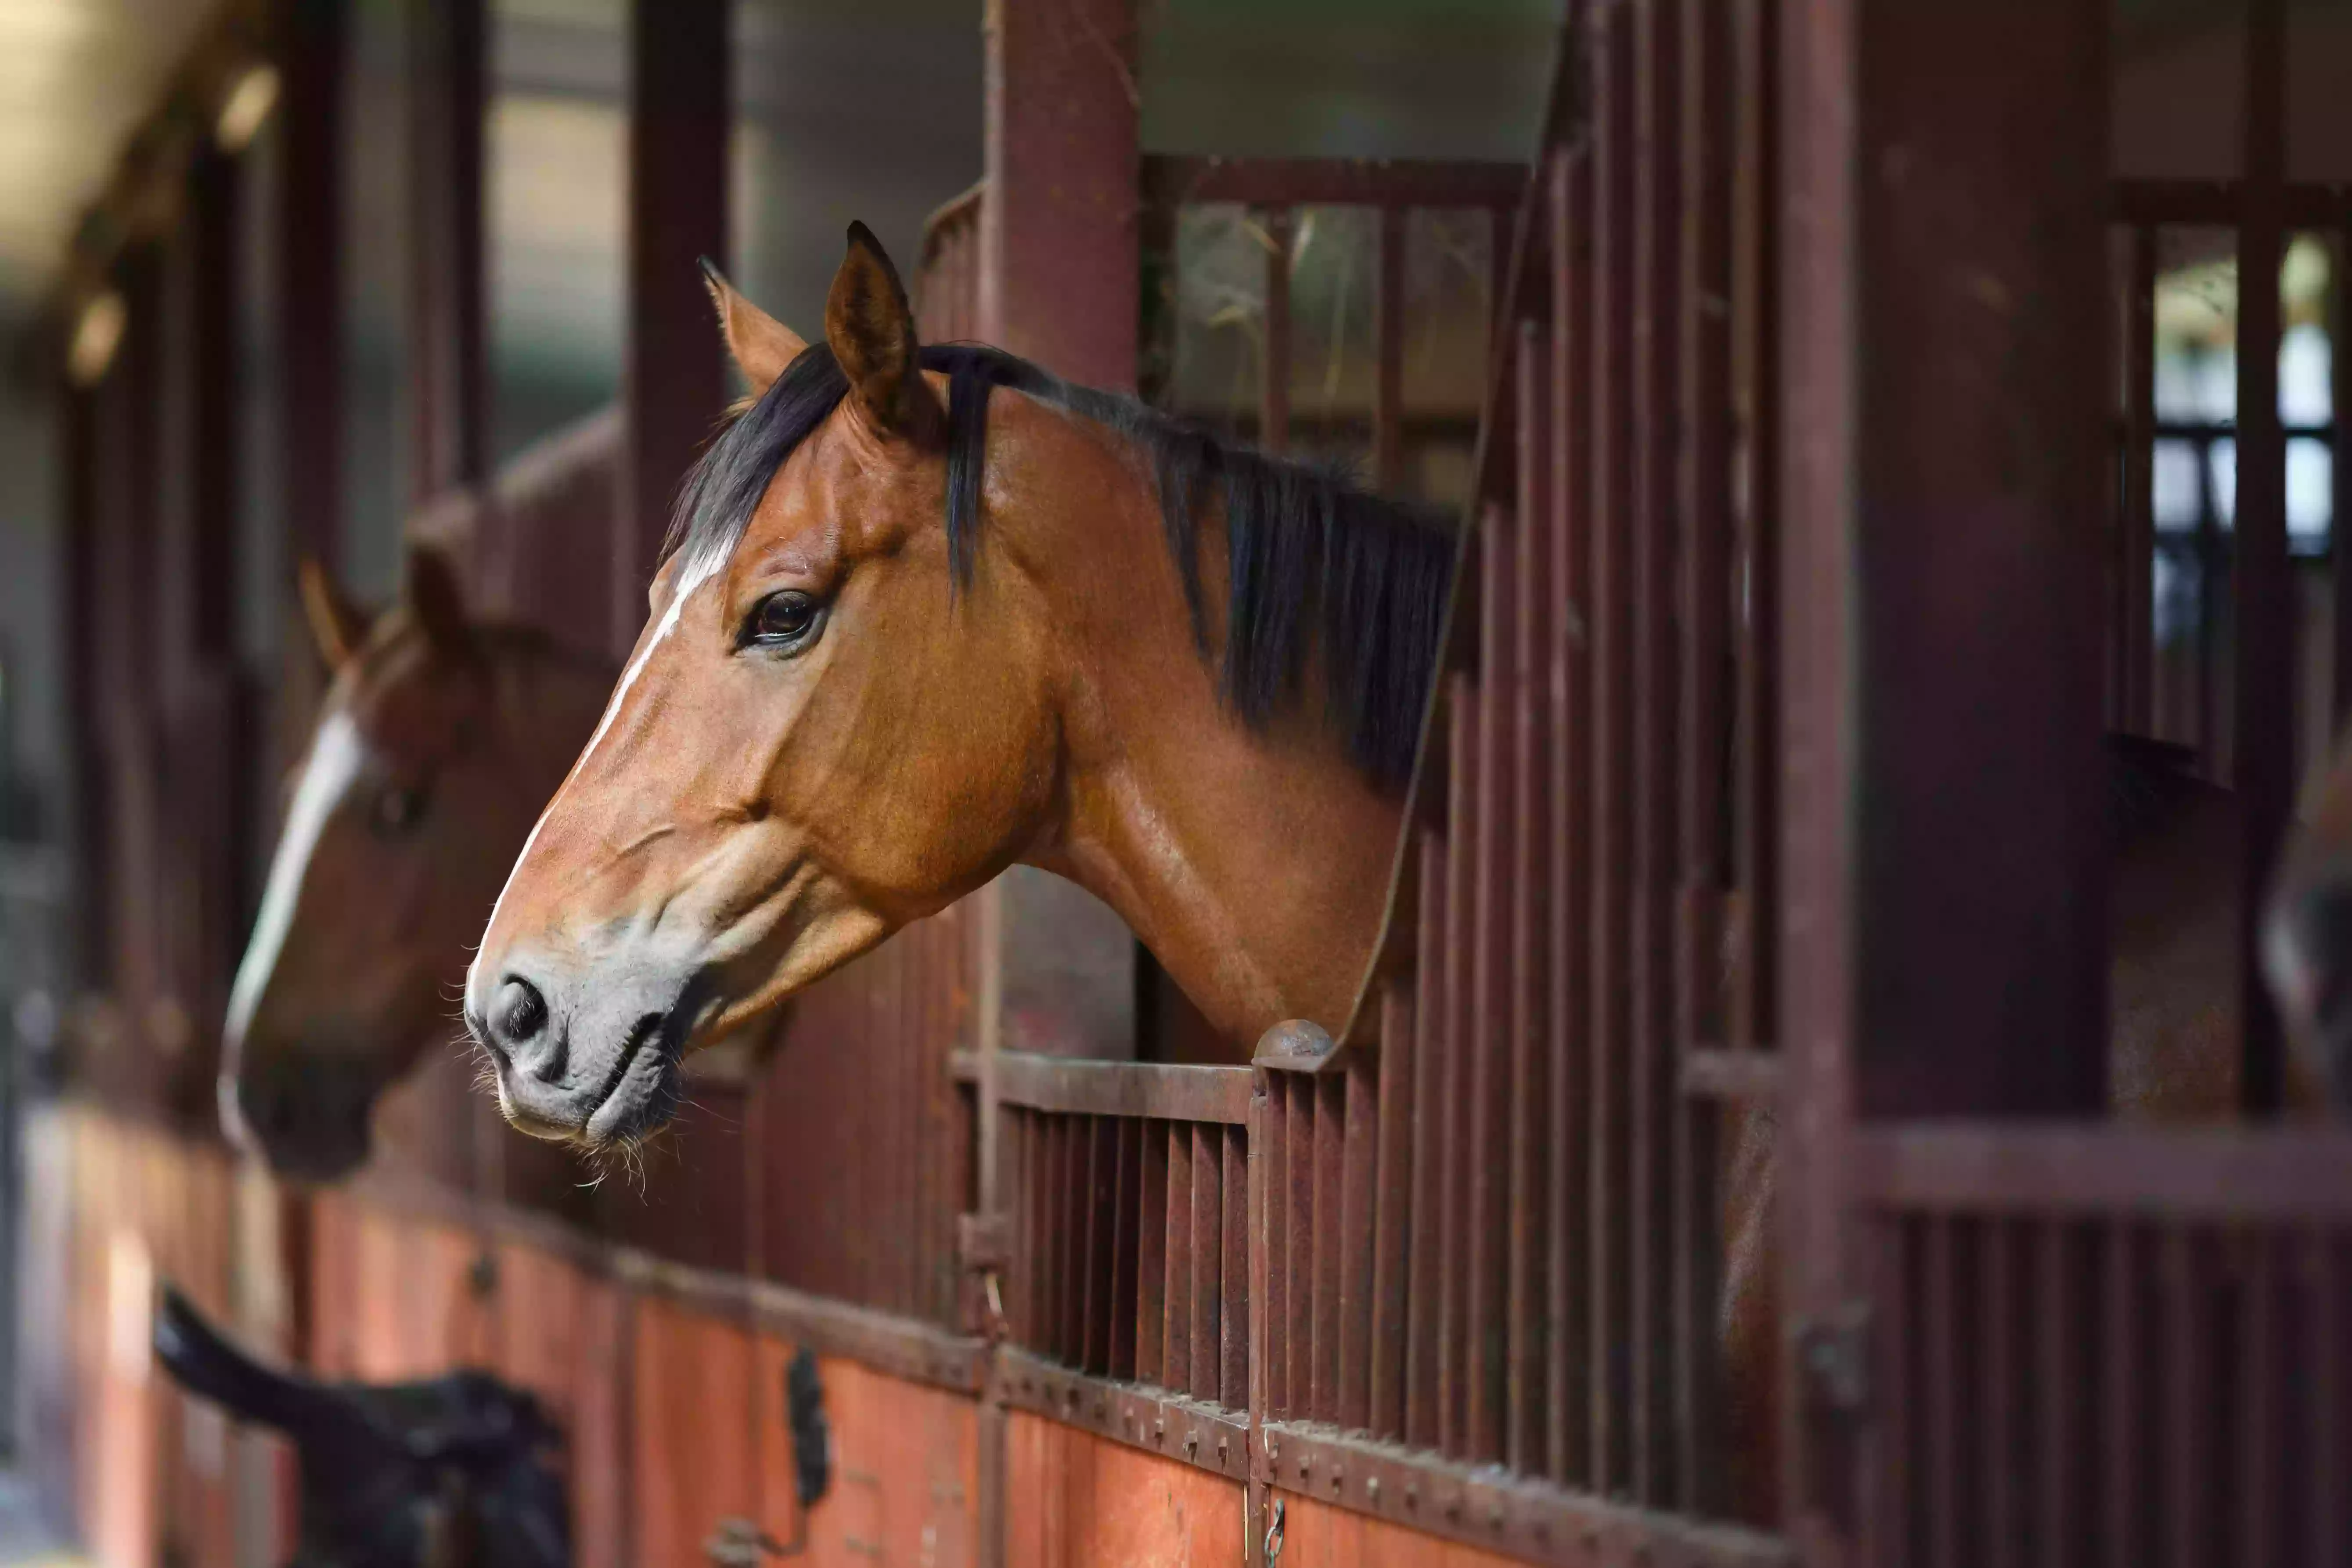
519 1014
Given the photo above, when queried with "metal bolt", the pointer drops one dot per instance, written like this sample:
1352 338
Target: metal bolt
1159 1428
1411 1495
1336 1478
1454 1505
1191 1443
1495 1516
1302 1469
1221 1449
1373 1489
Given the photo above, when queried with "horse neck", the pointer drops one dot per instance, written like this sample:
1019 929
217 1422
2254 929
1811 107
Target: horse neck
1255 865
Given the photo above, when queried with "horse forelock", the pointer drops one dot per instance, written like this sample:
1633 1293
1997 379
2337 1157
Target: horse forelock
1314 563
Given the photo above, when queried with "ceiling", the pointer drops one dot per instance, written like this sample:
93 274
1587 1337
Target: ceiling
76 78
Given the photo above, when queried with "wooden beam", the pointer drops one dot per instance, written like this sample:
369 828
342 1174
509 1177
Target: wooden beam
450 416
1058 230
307 263
673 373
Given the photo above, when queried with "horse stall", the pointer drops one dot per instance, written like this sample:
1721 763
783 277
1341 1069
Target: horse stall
1740 1148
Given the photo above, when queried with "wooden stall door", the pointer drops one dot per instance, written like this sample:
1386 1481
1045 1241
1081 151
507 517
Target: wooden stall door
1074 1500
693 1438
904 1467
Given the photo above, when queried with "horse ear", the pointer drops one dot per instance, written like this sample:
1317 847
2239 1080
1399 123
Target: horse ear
761 344
871 330
337 626
428 588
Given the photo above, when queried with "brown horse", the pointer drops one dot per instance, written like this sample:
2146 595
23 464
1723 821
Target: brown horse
438 740
911 632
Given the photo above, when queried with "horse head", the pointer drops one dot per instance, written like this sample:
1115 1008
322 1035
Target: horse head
906 635
439 740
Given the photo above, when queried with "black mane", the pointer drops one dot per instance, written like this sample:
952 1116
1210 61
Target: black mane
1314 563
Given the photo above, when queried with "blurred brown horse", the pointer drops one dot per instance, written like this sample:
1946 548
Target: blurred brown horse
909 635
439 740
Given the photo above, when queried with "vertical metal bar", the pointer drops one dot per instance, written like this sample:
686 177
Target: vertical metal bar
1152 1259
1392 1204
1303 1210
2122 1441
1610 1109
1425 1287
1357 1213
673 372
2063 1483
1656 682
1566 1387
1070 1222
1102 1256
1526 1088
1387 351
1264 1172
1330 1093
1176 1342
1127 1215
1704 501
2187 1398
1490 1048
2261 1447
1208 1258
1889 1528
2002 1446
1019 1146
1755 373
1456 1096
1270 1165
1941 1372
2321 1362
2136 654
1274 394
1234 1313
2265 689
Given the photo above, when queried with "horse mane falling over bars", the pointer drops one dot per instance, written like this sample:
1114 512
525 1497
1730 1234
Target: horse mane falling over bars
1317 569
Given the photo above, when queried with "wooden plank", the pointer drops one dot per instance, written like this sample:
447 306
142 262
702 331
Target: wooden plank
673 370
903 1466
2029 1168
694 1450
1178 1093
1076 1500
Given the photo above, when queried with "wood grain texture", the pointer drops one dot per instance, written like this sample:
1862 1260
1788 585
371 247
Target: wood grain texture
1076 1500
693 1450
905 1463
1317 1535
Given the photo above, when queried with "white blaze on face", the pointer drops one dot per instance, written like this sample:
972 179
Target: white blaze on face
337 757
692 575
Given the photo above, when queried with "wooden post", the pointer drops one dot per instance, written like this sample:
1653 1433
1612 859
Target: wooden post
673 373
1944 478
1059 225
451 418
309 268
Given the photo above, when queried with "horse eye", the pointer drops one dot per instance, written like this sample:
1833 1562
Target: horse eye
783 620
395 810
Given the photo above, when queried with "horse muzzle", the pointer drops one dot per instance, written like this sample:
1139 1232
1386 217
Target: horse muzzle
587 1054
